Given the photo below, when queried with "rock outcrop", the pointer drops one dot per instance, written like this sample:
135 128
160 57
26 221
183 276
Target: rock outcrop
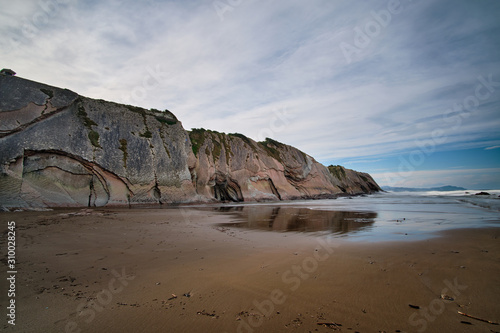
61 149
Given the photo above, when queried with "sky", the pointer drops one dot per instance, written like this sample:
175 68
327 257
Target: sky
406 90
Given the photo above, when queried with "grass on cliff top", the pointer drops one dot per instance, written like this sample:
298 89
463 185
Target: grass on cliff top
164 117
337 171
271 147
166 120
245 139
197 137
217 150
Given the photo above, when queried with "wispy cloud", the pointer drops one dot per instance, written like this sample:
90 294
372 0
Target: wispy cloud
493 147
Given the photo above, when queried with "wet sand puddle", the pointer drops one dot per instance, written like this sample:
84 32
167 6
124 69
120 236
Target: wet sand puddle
382 217
283 219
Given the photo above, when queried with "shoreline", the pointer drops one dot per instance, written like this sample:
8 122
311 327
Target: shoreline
214 202
115 270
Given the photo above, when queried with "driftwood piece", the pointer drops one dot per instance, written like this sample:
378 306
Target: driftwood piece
329 324
473 317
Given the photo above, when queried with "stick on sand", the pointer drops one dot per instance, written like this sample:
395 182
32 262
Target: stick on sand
486 321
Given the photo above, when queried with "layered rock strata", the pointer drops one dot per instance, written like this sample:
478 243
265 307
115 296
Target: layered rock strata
60 149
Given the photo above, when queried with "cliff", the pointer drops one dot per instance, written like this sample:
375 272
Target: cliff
61 149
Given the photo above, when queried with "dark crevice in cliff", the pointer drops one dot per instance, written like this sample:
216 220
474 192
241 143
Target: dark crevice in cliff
91 186
194 177
157 193
274 189
49 93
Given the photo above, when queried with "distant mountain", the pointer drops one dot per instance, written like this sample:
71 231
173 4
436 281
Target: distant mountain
446 188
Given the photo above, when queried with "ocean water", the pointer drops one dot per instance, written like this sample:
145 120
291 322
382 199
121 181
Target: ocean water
377 217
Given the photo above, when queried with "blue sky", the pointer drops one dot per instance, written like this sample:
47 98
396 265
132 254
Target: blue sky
406 90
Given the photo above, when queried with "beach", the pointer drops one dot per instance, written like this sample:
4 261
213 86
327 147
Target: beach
182 270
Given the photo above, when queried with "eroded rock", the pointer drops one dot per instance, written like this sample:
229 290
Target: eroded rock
61 149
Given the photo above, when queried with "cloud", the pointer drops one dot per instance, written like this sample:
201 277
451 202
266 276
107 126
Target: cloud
493 147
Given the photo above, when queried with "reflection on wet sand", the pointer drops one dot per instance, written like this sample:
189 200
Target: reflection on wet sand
299 219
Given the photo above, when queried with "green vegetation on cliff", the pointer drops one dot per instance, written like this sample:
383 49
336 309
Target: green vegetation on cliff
246 139
217 149
337 171
84 116
197 137
123 148
271 147
165 117
87 122
166 121
94 139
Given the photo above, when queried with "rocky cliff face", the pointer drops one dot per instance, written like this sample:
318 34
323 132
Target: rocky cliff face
61 149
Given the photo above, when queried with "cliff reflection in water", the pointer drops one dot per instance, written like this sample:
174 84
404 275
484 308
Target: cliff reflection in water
299 219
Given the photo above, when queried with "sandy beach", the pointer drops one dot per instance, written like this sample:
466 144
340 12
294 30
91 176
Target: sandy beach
179 270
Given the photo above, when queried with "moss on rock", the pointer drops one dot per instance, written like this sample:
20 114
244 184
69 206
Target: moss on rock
94 139
85 118
123 148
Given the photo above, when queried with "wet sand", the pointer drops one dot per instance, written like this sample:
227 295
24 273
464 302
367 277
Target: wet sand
177 270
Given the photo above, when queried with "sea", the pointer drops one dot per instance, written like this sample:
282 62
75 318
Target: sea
384 216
